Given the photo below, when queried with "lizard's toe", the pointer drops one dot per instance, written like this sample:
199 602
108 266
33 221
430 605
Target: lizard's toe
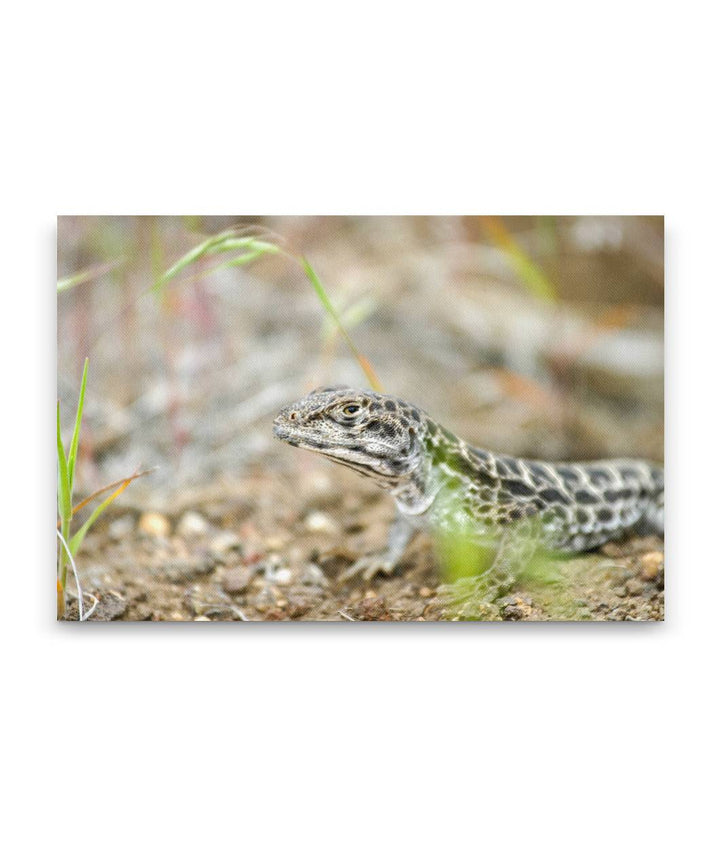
368 567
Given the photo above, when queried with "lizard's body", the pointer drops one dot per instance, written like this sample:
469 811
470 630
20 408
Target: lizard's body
440 482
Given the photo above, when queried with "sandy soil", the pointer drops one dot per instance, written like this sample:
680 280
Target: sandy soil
273 555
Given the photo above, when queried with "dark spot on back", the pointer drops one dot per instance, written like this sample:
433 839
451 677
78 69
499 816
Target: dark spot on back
462 465
567 474
515 513
415 415
611 495
484 477
518 488
539 471
432 427
375 406
586 498
511 465
582 516
390 405
451 438
598 477
404 422
552 495
604 515
502 470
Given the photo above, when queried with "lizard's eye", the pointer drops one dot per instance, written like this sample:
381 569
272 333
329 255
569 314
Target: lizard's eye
350 409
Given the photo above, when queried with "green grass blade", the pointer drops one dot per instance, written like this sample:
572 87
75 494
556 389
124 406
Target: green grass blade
223 242
252 244
193 255
330 309
67 282
72 457
64 500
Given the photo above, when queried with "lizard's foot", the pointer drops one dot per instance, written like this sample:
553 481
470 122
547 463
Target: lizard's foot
474 598
368 567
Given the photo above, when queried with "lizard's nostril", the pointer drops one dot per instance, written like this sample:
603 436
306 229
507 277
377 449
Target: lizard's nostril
292 415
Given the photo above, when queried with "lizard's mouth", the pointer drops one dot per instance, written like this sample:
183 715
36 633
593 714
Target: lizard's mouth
296 435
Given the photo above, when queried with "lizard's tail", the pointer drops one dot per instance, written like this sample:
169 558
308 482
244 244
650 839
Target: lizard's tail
653 520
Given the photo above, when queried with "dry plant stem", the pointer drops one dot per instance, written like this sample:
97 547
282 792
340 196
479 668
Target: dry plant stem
77 579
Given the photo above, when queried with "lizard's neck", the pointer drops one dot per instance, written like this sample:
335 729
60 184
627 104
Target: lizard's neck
435 471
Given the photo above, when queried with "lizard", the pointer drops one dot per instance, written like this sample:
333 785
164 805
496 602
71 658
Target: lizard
515 506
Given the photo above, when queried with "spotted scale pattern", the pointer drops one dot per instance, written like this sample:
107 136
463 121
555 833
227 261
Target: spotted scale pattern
441 482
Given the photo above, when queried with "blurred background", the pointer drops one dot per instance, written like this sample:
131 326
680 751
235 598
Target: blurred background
537 336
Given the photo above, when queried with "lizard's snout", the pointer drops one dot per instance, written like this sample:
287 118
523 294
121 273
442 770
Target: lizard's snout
283 422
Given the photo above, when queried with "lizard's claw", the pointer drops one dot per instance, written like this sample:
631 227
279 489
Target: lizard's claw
368 567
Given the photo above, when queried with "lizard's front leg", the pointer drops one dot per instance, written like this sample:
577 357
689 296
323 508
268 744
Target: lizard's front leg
399 535
474 597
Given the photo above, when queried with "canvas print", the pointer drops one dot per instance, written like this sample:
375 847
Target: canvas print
408 418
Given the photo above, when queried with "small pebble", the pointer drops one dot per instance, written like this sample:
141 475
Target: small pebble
236 580
201 618
313 575
274 543
652 563
225 541
154 524
192 525
283 576
425 592
318 522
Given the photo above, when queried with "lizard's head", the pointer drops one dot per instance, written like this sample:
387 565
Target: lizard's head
376 435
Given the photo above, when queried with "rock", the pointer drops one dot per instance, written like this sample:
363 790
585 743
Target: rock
111 607
372 609
426 592
201 618
282 577
313 576
318 522
225 541
236 580
192 525
515 608
154 524
652 564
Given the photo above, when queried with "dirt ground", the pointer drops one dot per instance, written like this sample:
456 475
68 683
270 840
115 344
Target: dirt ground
231 524
275 555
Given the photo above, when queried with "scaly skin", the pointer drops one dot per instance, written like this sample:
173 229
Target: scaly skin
441 483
